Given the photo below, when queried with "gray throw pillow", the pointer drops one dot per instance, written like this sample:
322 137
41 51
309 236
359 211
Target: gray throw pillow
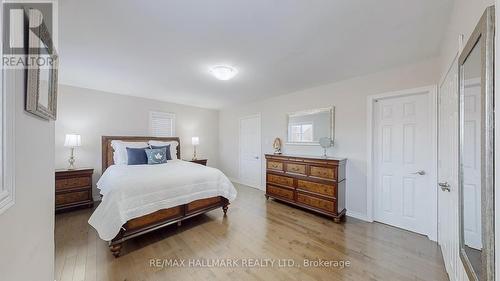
169 157
156 156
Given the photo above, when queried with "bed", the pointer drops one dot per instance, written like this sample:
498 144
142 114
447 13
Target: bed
138 199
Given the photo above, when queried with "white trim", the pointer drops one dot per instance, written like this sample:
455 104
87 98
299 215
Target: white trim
359 216
260 187
7 187
7 133
432 92
234 180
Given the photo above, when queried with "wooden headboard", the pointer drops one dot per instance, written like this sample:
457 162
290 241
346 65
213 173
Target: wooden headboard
107 150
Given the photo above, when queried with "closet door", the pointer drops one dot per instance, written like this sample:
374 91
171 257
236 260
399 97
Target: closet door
448 172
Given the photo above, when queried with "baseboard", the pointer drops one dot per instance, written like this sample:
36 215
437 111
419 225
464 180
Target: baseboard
359 216
234 180
239 182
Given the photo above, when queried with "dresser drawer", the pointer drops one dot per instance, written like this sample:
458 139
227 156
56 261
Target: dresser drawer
324 172
62 184
73 188
319 188
327 205
72 197
296 168
275 165
280 180
279 192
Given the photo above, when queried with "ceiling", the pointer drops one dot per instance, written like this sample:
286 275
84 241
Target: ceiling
163 49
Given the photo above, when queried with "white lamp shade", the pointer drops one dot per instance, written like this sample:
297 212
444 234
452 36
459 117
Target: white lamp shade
195 140
73 140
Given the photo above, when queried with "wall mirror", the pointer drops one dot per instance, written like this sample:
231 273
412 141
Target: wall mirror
41 94
308 126
476 189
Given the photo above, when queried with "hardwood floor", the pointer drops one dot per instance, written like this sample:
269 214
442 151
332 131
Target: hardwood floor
254 229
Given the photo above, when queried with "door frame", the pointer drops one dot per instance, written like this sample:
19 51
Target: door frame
260 187
431 91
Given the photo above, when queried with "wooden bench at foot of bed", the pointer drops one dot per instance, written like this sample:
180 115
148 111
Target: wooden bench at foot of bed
164 217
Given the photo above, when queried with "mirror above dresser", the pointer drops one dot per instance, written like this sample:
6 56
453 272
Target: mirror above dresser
307 127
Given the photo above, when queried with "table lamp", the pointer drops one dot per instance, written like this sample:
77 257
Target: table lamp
72 141
195 141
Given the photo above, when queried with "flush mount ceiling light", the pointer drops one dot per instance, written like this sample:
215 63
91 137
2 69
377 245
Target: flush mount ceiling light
223 72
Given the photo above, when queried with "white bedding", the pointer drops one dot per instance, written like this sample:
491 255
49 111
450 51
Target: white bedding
137 190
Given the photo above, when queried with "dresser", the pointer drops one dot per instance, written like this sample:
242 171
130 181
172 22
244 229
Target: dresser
73 189
314 183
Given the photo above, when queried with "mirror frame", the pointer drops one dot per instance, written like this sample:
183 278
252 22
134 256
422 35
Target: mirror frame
32 104
332 125
484 33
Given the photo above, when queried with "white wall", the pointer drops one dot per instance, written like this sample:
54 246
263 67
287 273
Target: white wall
464 17
27 228
93 114
349 99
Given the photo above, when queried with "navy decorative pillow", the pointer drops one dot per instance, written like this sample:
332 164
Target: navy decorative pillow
167 147
157 156
137 156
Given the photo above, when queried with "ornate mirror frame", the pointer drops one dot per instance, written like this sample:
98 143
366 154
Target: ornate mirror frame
33 104
483 33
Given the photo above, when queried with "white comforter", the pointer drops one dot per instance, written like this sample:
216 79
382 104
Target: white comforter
133 191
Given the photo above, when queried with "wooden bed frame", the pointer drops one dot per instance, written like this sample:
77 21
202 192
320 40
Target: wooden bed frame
159 219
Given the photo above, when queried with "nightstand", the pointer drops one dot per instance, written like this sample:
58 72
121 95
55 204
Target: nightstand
74 188
199 161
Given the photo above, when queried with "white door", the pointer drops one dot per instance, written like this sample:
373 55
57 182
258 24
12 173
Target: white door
403 162
448 169
448 174
472 165
250 152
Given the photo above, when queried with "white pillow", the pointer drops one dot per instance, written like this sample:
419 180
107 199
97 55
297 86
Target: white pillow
120 150
173 146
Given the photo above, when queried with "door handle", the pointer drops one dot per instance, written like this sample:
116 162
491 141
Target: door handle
445 186
421 173
256 157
